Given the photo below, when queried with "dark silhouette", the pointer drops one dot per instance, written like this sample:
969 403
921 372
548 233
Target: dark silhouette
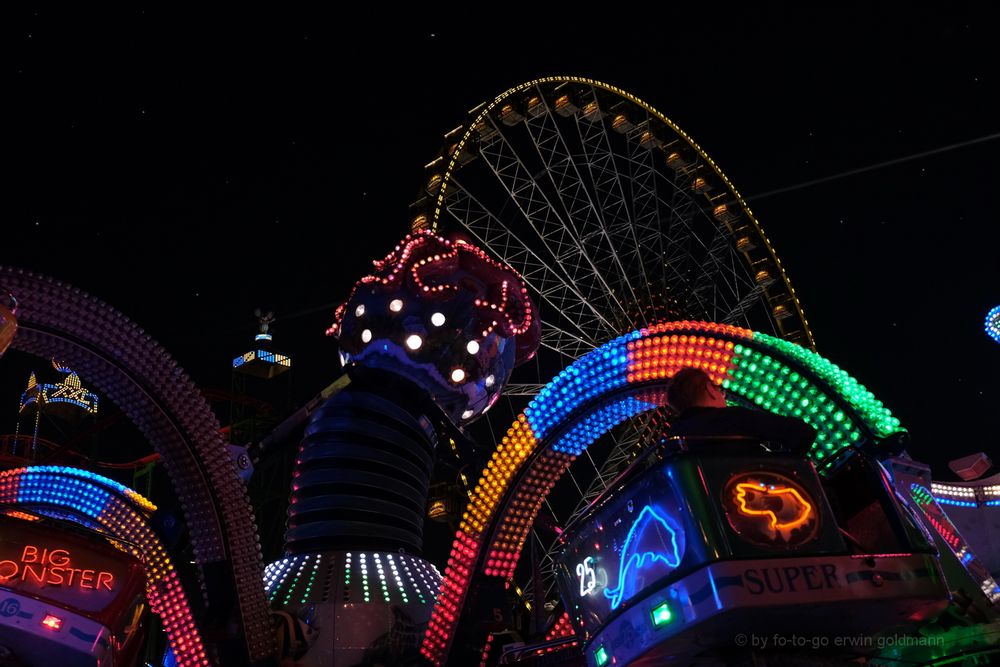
702 411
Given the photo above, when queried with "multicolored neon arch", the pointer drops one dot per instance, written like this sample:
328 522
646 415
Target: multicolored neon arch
122 513
617 381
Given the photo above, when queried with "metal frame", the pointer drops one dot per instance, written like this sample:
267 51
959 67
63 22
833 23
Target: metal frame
608 232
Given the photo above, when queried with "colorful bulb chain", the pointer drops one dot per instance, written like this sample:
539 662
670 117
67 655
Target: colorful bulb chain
374 577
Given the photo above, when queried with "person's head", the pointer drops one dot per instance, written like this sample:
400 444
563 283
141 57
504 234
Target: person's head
692 388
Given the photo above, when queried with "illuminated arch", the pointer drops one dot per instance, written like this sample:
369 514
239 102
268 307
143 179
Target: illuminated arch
122 362
993 323
617 381
121 512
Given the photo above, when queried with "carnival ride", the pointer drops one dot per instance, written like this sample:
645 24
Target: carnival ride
55 320
617 219
644 260
871 534
79 563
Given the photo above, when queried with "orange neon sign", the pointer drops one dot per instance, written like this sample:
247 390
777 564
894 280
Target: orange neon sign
53 567
770 509
802 508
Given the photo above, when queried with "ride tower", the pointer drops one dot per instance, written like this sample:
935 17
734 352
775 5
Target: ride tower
255 395
428 342
66 400
260 396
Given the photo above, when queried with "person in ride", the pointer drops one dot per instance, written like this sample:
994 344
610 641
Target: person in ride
702 411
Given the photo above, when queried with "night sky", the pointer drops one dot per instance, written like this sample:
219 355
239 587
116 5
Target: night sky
188 168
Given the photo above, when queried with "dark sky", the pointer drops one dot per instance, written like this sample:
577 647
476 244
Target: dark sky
187 168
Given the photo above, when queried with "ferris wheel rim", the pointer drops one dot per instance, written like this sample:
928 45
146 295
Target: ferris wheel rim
483 110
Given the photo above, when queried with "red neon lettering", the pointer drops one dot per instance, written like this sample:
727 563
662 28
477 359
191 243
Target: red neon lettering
59 560
105 578
28 569
8 569
53 567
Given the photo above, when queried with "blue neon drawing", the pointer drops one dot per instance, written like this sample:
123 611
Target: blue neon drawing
633 559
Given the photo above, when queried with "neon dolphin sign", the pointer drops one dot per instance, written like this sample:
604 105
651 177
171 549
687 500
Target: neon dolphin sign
634 559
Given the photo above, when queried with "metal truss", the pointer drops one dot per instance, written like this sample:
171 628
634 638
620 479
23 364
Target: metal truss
616 219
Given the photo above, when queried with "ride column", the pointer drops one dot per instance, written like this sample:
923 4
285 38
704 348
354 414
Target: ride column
428 341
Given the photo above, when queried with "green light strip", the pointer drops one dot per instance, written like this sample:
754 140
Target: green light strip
876 416
765 379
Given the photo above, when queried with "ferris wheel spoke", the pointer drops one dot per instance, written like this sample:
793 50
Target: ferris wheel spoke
541 215
741 290
753 295
522 389
749 299
489 230
569 346
722 273
589 232
555 231
606 181
684 243
681 241
647 212
709 267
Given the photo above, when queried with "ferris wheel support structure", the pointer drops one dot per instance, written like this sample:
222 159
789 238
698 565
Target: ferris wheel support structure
616 218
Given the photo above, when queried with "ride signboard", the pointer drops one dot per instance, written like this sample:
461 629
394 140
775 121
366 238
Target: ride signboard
62 567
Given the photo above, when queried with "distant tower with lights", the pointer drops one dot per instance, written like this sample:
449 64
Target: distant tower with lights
260 395
252 389
66 400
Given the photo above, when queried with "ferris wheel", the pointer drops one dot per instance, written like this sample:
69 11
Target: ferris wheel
615 218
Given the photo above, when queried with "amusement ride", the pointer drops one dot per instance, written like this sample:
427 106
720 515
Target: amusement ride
569 229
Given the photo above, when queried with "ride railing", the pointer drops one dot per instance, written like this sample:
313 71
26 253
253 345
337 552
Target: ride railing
18 450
